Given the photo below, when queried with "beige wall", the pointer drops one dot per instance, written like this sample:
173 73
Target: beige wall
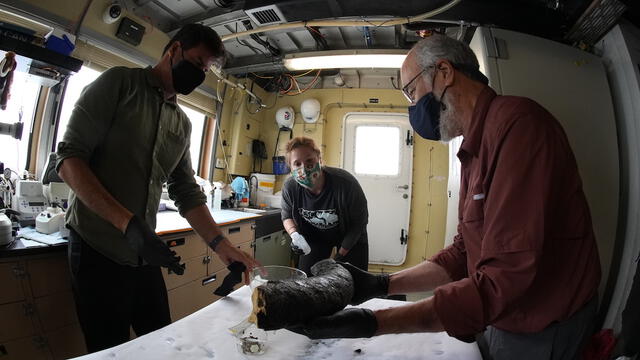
430 163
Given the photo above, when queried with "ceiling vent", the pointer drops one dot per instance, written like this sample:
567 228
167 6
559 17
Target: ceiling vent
266 15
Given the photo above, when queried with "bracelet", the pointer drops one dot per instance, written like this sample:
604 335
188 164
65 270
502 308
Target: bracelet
216 240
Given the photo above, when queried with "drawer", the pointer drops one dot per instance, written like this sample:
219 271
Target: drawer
32 348
187 246
196 268
11 275
189 298
216 263
67 342
49 276
204 295
240 232
17 321
56 311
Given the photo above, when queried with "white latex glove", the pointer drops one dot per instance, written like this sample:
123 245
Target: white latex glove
299 243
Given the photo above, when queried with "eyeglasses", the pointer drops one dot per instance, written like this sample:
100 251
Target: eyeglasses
405 89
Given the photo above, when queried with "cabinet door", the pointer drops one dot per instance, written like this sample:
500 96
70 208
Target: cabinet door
195 268
66 342
32 348
56 311
247 247
11 275
274 249
17 321
187 246
49 276
240 232
215 263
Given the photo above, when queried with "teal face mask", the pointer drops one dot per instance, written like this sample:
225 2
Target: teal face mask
307 177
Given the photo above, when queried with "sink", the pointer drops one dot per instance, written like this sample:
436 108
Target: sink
254 211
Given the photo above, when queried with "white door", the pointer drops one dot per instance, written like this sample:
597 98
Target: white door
378 152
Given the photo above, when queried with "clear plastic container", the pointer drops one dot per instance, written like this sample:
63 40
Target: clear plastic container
262 274
252 341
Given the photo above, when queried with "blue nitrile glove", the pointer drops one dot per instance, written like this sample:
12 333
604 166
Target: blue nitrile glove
348 323
150 247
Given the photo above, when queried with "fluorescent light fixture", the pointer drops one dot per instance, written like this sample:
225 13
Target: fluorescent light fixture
346 59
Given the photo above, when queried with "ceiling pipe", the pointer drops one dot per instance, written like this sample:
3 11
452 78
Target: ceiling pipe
337 23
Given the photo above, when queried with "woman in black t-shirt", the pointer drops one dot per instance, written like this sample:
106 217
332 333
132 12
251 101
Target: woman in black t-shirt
322 208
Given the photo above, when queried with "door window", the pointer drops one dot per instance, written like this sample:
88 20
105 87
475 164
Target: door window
377 150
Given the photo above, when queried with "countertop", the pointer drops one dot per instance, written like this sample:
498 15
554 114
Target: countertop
205 335
168 222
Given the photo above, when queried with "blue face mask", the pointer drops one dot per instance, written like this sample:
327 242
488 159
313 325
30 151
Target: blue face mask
425 117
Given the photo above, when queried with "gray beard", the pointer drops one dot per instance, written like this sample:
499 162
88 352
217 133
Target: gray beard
449 124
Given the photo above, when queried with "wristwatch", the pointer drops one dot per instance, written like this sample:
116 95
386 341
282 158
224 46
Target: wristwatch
216 240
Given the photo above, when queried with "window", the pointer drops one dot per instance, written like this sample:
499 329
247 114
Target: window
197 129
76 84
21 106
377 150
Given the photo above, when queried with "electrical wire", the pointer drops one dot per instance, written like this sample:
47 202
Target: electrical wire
255 49
224 153
393 83
338 23
309 86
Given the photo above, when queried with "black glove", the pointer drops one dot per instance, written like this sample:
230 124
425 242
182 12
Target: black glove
150 247
348 323
366 285
234 277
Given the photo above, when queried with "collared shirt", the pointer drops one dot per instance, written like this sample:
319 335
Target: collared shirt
133 140
525 255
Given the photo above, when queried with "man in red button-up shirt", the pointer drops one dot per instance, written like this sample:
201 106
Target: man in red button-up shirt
524 267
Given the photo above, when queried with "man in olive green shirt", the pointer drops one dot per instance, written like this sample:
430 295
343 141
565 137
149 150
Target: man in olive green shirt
125 138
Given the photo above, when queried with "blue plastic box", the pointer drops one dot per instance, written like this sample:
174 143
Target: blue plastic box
63 46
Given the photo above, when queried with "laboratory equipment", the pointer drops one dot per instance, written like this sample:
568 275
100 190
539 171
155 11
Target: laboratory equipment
6 230
14 130
29 200
57 193
261 185
50 220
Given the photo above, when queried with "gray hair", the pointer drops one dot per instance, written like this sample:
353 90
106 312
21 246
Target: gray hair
459 54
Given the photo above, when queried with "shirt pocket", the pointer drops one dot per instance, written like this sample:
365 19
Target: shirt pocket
474 205
170 151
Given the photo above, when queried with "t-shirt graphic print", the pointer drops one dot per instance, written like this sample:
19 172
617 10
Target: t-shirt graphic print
321 219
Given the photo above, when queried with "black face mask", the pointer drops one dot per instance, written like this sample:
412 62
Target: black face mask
186 76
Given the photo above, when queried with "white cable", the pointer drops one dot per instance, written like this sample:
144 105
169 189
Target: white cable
338 23
224 155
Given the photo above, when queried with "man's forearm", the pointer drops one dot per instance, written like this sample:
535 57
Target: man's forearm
289 226
425 276
416 317
202 222
76 173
